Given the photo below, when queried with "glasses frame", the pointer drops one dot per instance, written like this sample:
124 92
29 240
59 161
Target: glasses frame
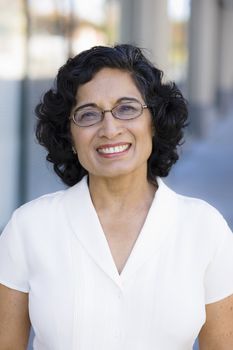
103 111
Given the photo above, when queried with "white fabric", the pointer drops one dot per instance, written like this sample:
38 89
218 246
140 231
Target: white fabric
55 249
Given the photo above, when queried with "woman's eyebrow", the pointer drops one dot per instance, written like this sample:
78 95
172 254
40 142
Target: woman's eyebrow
85 105
126 98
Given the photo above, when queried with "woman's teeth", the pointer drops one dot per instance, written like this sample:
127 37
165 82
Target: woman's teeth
115 149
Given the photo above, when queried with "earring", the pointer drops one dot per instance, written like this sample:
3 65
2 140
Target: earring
74 150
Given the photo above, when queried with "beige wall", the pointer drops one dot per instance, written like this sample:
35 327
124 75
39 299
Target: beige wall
145 23
226 49
203 50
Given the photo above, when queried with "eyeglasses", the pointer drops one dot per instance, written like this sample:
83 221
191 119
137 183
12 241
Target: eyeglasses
91 115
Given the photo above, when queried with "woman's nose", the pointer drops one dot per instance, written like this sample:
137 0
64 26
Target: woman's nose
110 126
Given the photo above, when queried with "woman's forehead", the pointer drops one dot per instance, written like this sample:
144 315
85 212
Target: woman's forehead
109 83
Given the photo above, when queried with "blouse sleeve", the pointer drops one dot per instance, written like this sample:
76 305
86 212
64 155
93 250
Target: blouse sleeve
219 273
13 266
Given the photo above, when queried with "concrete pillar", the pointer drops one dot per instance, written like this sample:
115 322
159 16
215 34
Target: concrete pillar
11 38
225 78
146 24
9 150
202 76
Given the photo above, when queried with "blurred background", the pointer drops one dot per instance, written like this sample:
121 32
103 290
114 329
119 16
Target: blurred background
190 40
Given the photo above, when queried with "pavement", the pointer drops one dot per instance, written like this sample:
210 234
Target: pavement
205 168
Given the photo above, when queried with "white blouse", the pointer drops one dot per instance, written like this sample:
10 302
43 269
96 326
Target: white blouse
54 248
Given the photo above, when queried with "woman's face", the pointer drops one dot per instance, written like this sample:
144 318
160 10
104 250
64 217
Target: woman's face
112 147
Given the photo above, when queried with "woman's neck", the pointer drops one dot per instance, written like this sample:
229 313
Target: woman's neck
121 193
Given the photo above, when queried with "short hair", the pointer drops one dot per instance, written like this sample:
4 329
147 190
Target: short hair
166 104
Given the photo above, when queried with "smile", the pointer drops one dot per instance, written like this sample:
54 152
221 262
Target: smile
114 149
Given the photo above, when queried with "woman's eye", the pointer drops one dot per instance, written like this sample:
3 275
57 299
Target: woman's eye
88 115
126 108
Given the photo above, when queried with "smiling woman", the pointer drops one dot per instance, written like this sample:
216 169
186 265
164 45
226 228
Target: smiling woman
165 103
110 262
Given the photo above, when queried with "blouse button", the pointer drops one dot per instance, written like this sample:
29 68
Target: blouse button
117 334
119 294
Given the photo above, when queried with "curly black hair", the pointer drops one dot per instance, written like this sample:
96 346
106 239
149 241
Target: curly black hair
166 103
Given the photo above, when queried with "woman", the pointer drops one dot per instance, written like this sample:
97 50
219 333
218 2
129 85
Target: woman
118 260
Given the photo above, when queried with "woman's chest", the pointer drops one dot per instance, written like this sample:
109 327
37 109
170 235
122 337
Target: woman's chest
73 301
121 233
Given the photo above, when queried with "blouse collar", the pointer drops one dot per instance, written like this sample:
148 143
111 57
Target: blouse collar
85 224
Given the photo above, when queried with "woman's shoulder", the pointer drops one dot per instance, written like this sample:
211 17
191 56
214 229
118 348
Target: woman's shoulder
190 204
196 205
36 215
49 202
40 204
48 208
197 216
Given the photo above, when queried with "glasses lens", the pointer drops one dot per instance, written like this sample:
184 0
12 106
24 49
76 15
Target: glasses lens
87 116
128 110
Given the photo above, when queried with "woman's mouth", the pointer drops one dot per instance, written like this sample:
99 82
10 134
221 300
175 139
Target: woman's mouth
113 149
